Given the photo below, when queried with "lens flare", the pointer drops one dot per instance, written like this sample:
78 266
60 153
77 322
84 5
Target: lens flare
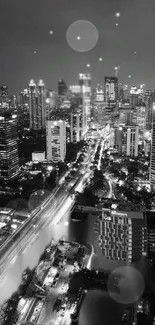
84 31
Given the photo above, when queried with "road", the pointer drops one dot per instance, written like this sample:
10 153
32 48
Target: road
50 214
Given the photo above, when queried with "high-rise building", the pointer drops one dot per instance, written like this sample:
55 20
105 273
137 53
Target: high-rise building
62 88
141 117
75 127
56 140
127 115
99 94
122 235
41 107
85 84
4 97
150 235
149 101
9 161
152 156
126 138
111 90
37 105
32 105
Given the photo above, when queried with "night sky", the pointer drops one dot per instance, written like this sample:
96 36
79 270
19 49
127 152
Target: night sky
25 26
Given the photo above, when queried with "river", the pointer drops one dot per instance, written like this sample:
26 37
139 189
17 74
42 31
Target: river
81 232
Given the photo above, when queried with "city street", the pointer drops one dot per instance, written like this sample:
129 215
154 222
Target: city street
17 255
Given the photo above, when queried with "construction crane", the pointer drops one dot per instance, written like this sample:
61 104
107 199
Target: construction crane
116 71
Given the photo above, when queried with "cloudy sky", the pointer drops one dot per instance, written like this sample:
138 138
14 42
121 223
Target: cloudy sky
25 26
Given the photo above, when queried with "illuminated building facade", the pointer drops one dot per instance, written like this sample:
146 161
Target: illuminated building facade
141 118
111 90
75 127
32 105
41 110
99 94
122 235
4 98
37 105
126 115
149 97
152 158
62 88
151 235
132 141
56 140
9 161
126 139
85 84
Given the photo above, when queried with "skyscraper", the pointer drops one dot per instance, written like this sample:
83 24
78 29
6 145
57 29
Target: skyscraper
37 105
75 127
149 100
32 105
41 107
4 97
62 88
122 234
152 157
126 138
111 90
9 162
85 84
56 140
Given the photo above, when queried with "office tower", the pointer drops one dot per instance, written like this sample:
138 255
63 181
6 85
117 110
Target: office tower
126 139
65 104
41 109
150 235
127 115
75 89
148 98
62 88
85 84
122 234
147 142
32 105
134 92
4 98
24 97
56 140
23 109
53 98
99 94
141 117
152 156
9 162
37 105
111 91
75 127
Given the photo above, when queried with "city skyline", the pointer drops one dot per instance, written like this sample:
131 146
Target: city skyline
34 44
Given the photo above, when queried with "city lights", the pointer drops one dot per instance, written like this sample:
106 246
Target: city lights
77 142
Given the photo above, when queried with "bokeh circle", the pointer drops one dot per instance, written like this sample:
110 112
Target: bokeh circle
82 36
126 285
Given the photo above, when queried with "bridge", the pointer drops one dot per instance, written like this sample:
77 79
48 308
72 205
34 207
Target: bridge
87 209
121 206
